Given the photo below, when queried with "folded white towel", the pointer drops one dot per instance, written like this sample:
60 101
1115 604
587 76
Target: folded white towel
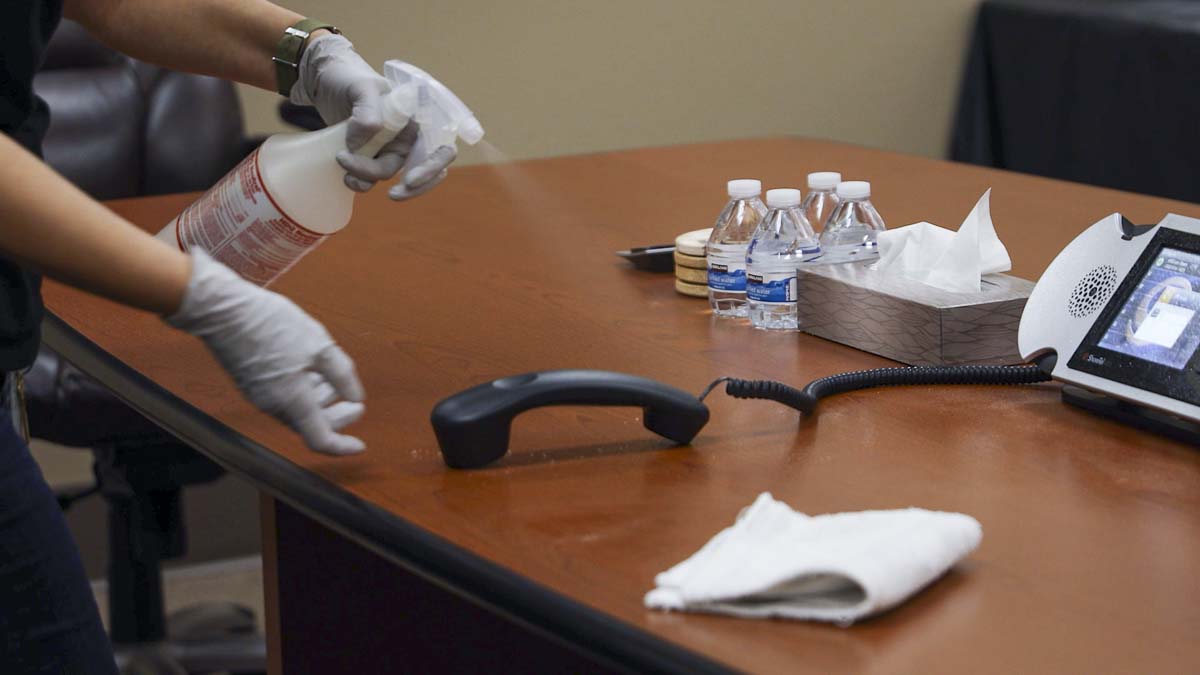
842 567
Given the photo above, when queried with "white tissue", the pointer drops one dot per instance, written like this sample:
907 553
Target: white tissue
842 567
952 261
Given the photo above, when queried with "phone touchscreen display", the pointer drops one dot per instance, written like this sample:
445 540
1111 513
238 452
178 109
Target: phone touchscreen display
1160 322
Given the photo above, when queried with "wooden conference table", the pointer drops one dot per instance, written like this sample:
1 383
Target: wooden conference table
391 562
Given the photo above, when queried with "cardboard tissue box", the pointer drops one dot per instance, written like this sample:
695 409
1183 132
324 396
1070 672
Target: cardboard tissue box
910 321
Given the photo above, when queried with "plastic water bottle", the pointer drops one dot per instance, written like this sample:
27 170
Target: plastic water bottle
726 249
822 198
782 240
850 232
288 196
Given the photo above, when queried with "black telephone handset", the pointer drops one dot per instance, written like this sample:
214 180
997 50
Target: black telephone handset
472 426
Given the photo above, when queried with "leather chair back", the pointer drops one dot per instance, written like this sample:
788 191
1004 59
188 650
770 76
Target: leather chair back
121 127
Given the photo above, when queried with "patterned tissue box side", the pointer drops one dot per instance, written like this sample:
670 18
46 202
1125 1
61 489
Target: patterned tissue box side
910 322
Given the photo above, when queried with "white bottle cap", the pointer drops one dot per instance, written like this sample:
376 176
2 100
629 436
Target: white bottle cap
744 188
824 180
854 189
782 198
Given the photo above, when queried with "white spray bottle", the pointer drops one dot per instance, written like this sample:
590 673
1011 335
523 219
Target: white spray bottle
287 197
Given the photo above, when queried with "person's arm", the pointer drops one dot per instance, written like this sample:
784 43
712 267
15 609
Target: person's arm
283 360
235 40
230 39
51 226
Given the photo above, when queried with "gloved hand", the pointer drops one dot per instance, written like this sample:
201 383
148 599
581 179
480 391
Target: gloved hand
282 359
335 79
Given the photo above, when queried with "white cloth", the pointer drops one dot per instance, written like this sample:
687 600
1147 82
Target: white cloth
952 261
842 567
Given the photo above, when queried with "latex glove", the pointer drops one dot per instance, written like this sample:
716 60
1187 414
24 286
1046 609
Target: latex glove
282 359
335 79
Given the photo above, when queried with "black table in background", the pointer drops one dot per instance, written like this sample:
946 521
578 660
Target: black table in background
1105 92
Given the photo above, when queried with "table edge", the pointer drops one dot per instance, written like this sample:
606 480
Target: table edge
578 627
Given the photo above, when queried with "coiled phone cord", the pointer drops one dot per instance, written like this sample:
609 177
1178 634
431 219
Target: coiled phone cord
805 400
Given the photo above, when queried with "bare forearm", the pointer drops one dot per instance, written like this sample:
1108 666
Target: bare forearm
50 226
230 39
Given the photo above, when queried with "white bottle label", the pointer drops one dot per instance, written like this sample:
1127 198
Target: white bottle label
771 286
239 224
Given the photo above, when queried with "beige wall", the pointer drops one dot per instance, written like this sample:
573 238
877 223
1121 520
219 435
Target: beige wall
552 77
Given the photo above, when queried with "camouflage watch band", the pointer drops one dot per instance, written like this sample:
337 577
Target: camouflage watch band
291 48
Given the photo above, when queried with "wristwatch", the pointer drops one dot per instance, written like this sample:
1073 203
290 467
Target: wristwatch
291 47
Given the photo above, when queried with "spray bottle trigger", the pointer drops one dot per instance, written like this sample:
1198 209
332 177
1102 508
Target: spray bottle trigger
397 107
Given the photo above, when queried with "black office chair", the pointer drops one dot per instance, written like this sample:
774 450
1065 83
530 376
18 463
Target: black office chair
121 128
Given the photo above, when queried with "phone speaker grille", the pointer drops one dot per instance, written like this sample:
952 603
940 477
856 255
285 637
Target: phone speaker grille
1092 291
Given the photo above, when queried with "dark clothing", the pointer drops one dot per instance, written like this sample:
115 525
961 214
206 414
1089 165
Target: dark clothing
48 618
49 622
25 29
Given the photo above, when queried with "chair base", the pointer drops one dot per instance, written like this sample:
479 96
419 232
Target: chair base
246 656
206 638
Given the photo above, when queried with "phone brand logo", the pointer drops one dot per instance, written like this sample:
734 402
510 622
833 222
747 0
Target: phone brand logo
1098 360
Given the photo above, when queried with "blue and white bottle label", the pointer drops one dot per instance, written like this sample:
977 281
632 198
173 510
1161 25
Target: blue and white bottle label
727 276
771 286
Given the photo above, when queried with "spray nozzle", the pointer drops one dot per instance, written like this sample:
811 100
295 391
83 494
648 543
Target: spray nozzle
471 130
442 115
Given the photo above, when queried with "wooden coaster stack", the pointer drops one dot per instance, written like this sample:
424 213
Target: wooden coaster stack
691 266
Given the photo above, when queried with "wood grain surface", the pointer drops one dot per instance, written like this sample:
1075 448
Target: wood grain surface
1091 530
